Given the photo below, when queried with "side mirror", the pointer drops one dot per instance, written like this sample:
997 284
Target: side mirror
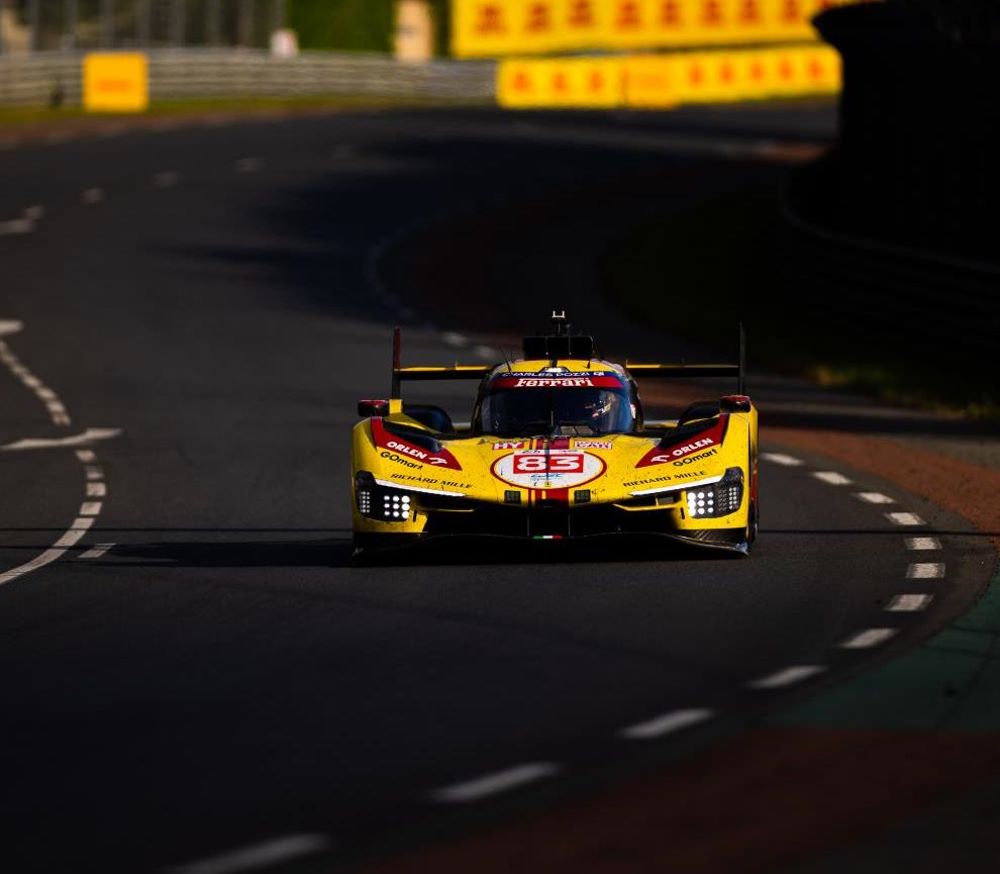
367 409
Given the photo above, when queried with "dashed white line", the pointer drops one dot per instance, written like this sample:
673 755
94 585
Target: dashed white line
923 543
905 519
666 724
82 523
832 478
787 677
93 472
453 339
10 326
258 856
487 353
248 165
86 456
96 490
35 212
874 498
98 551
910 603
13 227
90 508
781 458
925 570
868 638
92 195
494 784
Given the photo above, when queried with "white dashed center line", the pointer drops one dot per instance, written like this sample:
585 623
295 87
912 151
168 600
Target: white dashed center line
34 213
832 478
909 603
90 508
494 784
92 195
925 570
779 458
96 490
453 339
905 519
868 638
875 498
923 543
258 856
13 227
787 677
666 724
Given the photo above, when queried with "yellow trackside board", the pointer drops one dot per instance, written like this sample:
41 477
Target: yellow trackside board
115 82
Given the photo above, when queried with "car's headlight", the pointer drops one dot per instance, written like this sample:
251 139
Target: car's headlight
379 502
719 499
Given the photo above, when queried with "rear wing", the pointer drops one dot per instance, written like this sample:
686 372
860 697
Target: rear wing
426 374
695 371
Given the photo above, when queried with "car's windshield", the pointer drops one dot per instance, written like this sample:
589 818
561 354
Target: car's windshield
520 412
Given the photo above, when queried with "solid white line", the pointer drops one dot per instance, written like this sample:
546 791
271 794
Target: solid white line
780 458
96 490
98 551
92 195
88 436
666 724
832 478
90 508
868 638
57 551
874 498
257 856
925 570
923 543
494 784
909 603
787 677
905 519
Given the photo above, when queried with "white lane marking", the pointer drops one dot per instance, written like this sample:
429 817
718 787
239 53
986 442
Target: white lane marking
257 856
487 353
34 213
86 456
13 227
923 543
96 490
874 498
925 570
787 677
90 508
832 477
82 523
166 179
98 551
666 724
89 436
248 165
905 519
71 537
868 638
92 195
780 458
93 472
10 326
911 603
453 339
46 394
494 784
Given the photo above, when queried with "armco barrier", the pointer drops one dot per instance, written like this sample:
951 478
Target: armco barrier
498 28
174 74
662 81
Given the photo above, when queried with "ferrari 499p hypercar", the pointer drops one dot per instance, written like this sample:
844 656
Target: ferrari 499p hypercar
557 448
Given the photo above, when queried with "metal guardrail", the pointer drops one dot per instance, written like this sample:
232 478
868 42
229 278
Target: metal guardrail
176 74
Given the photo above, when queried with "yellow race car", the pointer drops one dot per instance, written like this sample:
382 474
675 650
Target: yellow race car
557 448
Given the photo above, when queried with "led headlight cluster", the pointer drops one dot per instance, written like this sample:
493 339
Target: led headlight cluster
379 502
719 499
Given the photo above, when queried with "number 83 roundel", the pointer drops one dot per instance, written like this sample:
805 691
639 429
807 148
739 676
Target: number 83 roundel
553 468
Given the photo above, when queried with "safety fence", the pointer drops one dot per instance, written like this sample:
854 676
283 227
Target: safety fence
664 81
47 78
498 28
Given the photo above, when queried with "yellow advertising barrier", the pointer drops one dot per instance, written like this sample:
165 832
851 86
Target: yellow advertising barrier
667 80
115 82
494 28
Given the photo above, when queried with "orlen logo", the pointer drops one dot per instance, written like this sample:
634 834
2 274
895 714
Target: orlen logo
712 436
384 439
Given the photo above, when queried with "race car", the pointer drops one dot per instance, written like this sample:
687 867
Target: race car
557 448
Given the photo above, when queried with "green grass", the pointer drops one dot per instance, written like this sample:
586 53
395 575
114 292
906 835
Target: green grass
696 272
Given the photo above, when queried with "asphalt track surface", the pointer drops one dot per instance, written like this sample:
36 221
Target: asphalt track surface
223 677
